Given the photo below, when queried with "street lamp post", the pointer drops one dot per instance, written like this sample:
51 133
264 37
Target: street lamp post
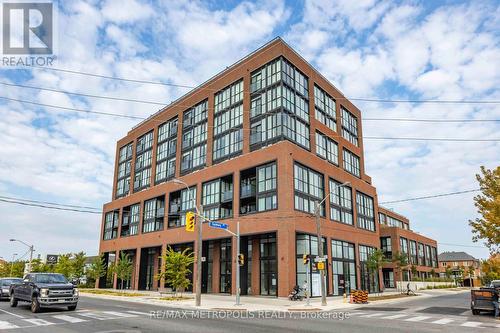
12 263
320 240
31 250
199 219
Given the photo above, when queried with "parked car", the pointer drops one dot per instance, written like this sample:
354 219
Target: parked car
495 284
44 290
5 286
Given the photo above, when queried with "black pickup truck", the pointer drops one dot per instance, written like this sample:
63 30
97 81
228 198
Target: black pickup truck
44 290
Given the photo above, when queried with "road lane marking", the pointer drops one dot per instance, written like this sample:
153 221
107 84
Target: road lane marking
95 315
373 315
5 325
120 314
471 324
443 321
12 314
143 313
38 322
69 319
418 318
395 316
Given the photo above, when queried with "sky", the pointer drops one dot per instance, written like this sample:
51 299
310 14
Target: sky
424 50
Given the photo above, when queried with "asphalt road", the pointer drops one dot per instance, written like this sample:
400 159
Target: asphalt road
448 312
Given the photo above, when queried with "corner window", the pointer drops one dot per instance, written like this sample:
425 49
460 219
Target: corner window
366 215
341 203
349 126
309 189
351 163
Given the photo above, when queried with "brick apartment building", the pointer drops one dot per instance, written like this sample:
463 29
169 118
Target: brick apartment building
396 236
258 143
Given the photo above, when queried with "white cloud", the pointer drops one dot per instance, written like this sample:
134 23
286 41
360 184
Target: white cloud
126 11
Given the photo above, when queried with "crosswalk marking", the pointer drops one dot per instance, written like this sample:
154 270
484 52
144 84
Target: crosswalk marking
373 315
38 322
395 316
69 319
139 313
443 321
95 315
5 325
471 324
120 314
418 318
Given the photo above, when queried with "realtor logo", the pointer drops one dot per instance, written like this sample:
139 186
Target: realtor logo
27 28
28 32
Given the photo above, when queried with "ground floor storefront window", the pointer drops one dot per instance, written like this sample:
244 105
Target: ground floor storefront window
343 267
268 266
307 244
369 279
388 276
225 266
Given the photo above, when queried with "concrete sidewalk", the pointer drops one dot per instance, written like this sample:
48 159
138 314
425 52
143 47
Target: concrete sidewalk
256 303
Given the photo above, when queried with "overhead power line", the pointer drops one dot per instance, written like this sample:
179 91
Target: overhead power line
47 203
144 118
49 207
361 99
430 196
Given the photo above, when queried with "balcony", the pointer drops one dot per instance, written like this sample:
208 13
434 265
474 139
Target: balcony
247 191
227 196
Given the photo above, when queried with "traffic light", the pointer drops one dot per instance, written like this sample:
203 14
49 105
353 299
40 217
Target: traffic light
305 259
190 221
241 259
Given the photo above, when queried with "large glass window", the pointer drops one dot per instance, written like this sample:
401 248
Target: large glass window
369 279
327 149
366 213
351 163
130 220
309 189
349 126
421 255
180 202
217 198
428 261
166 151
111 225
225 266
343 267
403 244
143 154
434 257
258 189
386 246
154 212
279 105
124 168
308 244
413 253
324 106
228 122
341 203
268 265
194 138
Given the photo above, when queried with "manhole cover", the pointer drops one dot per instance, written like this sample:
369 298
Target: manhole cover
444 310
382 309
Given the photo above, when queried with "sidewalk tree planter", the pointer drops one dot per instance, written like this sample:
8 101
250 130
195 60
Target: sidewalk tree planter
176 268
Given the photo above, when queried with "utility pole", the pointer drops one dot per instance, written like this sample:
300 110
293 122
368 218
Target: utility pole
237 263
308 273
320 252
12 263
198 256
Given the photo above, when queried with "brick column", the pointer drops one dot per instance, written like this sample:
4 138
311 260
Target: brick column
286 258
137 268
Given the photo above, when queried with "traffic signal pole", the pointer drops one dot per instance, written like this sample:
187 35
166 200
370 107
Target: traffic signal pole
238 263
198 256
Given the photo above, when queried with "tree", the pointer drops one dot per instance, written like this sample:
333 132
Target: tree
176 268
37 266
490 269
433 274
375 261
414 271
123 268
487 227
78 265
97 268
64 265
400 261
448 272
